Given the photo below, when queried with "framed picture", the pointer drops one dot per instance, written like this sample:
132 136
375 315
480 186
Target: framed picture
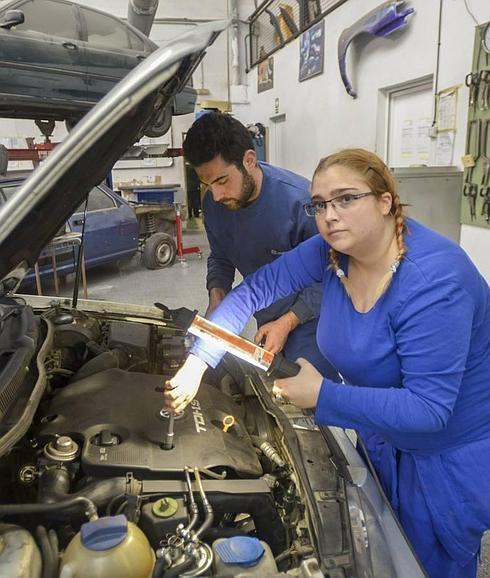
311 51
265 74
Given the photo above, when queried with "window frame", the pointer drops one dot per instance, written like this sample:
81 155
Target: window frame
129 33
31 32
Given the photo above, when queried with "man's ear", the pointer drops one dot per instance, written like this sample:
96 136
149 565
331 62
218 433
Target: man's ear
250 159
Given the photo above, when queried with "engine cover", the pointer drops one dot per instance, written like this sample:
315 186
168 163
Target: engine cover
116 415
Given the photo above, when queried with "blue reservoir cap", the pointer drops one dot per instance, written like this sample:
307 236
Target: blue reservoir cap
104 533
241 550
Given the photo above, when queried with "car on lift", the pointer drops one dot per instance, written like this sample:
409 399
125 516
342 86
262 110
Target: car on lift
58 59
248 486
113 233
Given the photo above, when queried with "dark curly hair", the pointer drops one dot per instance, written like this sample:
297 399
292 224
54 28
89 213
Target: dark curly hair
214 134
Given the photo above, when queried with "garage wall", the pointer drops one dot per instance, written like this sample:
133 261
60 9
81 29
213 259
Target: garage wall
321 117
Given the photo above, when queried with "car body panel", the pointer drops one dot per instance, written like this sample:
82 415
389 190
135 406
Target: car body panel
31 60
111 229
48 71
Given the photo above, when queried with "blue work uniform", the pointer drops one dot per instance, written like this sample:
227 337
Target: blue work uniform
417 372
255 235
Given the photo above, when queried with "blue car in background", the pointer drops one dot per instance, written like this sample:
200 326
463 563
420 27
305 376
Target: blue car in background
111 231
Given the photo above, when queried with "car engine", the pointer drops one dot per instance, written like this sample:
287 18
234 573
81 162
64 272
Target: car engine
90 488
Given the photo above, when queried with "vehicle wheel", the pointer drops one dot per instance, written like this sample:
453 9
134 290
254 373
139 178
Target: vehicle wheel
159 251
70 123
160 124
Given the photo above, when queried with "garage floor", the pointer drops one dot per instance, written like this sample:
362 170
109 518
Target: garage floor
182 285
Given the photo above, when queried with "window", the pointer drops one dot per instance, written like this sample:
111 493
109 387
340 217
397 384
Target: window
97 201
49 17
106 31
7 190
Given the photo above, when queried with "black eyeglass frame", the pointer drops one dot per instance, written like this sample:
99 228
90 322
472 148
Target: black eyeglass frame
311 207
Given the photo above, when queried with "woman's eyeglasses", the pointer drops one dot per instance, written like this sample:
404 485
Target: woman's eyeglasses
342 203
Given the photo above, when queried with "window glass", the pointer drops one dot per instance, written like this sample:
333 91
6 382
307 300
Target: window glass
137 43
105 31
7 190
97 201
49 17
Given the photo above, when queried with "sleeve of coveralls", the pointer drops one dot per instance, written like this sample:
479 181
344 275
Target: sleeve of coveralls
288 274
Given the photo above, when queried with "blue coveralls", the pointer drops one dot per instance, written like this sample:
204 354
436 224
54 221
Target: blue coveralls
250 237
417 372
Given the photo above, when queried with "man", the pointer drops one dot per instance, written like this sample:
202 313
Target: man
253 212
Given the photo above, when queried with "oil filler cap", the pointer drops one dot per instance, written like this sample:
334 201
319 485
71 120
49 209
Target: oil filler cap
104 533
241 550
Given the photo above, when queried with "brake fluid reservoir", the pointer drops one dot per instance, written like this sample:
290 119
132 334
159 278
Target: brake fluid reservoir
109 547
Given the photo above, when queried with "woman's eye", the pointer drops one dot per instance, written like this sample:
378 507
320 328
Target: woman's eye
346 199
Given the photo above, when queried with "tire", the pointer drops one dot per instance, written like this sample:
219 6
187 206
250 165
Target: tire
159 251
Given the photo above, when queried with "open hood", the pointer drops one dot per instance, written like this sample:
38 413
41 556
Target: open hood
31 218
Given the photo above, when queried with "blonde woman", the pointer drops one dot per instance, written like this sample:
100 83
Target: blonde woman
405 318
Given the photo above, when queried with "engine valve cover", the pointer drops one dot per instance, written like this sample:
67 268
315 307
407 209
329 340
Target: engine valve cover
117 416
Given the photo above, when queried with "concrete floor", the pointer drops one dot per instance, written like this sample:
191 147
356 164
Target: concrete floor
181 285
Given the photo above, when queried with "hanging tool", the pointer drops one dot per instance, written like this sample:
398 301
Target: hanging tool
275 365
470 191
485 210
484 85
472 82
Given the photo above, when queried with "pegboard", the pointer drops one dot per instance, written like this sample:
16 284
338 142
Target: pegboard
475 197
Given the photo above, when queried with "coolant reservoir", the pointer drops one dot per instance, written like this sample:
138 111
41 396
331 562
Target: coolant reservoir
109 547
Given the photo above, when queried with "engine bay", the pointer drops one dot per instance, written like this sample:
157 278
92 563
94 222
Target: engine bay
88 483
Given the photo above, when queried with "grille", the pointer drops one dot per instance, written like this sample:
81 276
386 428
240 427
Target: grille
277 22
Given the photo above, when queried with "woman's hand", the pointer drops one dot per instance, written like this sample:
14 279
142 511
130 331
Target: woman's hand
303 389
182 388
275 333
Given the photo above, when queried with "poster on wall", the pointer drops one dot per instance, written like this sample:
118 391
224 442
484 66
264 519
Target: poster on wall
265 74
311 52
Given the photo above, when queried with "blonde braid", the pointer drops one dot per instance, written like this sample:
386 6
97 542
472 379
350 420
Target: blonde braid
334 264
400 230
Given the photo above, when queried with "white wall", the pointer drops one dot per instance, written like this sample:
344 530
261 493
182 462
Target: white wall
321 117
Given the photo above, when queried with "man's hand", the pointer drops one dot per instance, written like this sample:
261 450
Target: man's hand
182 388
216 295
276 332
303 389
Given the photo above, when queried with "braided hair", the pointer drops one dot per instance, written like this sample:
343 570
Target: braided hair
380 180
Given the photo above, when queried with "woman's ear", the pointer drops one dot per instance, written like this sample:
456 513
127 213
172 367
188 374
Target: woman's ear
385 201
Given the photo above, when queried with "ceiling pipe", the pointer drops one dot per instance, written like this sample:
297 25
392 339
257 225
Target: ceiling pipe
235 53
141 14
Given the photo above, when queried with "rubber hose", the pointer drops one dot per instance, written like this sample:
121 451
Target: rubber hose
76 502
46 553
55 549
54 486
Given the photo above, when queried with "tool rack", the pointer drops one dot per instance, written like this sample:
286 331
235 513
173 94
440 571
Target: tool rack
475 201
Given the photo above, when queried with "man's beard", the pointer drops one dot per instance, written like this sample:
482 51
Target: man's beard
248 190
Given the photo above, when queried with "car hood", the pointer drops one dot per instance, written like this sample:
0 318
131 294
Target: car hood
31 218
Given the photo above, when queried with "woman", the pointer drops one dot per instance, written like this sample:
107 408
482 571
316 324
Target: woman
405 318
